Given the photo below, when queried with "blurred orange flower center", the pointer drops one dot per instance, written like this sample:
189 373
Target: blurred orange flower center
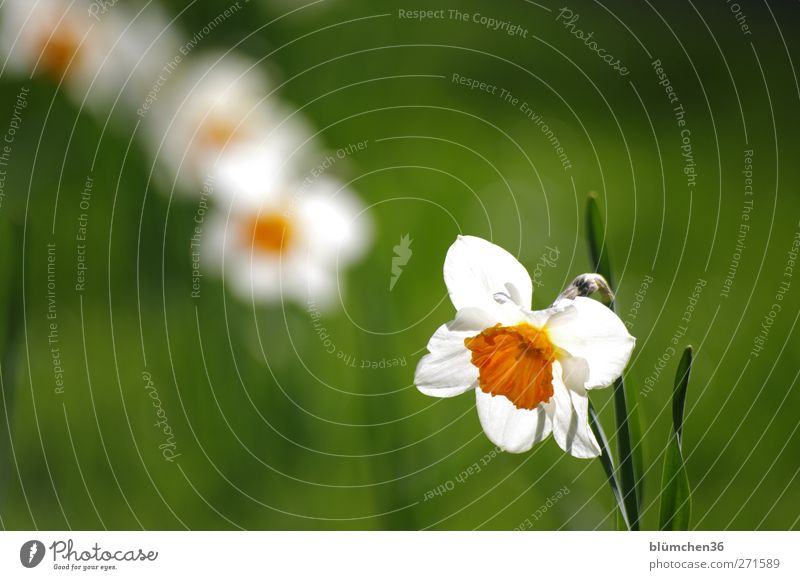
269 233
217 132
59 50
515 361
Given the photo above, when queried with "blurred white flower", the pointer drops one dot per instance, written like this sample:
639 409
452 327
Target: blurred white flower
530 370
58 39
148 46
214 114
209 119
290 244
252 171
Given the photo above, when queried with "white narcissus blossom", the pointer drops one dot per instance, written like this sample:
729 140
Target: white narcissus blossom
93 59
289 244
216 112
530 370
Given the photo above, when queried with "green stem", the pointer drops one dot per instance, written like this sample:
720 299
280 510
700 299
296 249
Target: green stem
12 321
607 462
602 265
626 467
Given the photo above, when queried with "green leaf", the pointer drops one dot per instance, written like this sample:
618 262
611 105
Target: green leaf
622 525
596 232
679 396
607 461
635 424
627 420
676 493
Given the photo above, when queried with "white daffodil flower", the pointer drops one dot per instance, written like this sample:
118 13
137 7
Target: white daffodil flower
215 113
530 370
58 39
290 245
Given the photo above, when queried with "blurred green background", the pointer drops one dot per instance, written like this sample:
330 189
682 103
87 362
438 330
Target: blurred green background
274 432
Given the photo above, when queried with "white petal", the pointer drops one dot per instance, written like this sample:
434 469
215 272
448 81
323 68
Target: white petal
594 333
476 270
539 318
575 372
247 174
335 223
310 282
569 412
512 429
259 280
448 370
